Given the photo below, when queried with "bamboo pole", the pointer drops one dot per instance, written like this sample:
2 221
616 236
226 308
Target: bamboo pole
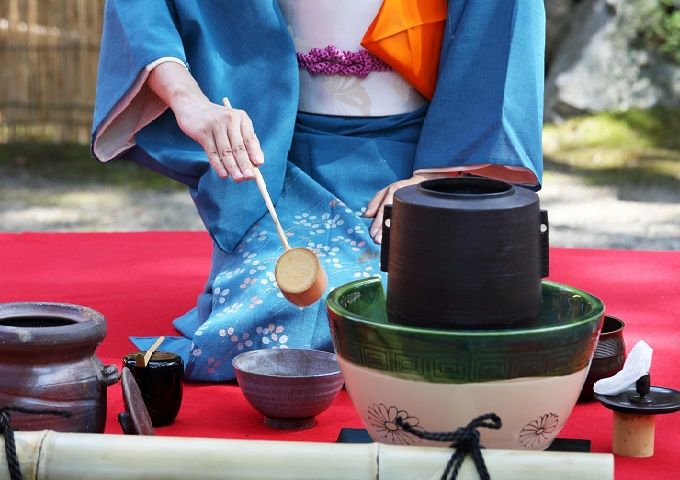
76 456
50 49
34 70
77 117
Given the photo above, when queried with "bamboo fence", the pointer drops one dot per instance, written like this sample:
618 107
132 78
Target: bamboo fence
48 68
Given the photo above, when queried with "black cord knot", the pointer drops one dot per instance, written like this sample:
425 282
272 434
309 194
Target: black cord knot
465 440
8 433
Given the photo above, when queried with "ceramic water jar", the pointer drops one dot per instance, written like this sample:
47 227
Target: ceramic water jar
47 361
439 380
464 252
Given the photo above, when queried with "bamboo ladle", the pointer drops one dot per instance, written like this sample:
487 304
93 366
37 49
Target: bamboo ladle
298 271
142 359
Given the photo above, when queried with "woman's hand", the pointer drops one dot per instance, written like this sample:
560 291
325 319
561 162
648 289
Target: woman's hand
226 134
384 197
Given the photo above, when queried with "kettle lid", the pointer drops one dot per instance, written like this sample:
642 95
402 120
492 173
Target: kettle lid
467 193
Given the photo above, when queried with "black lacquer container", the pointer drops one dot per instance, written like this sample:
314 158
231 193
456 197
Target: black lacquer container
464 252
160 383
609 357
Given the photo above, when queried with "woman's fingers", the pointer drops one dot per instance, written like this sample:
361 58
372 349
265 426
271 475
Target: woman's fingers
238 147
226 134
374 204
251 142
226 153
374 210
383 197
211 150
376 226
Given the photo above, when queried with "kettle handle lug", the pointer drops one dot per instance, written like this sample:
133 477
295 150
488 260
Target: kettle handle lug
108 375
545 244
385 247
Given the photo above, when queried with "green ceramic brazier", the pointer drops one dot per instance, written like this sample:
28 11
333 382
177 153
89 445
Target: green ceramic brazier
438 380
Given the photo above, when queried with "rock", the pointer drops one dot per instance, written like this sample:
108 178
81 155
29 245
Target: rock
599 64
557 17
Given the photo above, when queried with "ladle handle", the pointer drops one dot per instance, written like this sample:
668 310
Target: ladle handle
143 360
259 179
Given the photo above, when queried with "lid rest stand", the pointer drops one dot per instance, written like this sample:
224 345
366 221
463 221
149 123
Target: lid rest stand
635 411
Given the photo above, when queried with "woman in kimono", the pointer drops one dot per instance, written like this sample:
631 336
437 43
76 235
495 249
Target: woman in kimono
338 104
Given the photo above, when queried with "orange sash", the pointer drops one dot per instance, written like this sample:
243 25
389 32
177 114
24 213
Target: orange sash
407 35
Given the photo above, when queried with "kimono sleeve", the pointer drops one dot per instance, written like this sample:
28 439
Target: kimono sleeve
487 108
137 35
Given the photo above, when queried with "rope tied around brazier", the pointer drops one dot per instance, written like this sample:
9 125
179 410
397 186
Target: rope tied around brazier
464 439
8 433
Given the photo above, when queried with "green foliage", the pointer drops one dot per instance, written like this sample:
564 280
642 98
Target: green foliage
632 147
660 28
73 162
654 128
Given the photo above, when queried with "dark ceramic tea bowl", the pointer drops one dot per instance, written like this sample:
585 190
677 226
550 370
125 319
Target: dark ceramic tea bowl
288 386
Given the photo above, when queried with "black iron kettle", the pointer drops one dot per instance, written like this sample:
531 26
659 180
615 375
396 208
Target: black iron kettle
465 252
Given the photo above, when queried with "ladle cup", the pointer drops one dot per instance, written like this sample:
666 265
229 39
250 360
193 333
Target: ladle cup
298 272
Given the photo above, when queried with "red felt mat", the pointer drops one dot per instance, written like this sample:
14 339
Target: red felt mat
141 281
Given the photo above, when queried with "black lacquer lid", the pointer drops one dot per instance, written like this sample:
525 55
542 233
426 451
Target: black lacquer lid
135 420
643 399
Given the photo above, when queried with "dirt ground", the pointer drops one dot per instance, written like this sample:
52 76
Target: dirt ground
581 215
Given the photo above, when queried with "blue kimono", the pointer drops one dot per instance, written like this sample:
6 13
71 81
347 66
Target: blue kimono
321 171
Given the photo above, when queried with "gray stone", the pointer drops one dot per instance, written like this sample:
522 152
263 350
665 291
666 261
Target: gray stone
557 19
599 66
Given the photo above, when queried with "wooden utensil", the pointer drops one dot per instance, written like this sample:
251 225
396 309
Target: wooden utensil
135 420
142 360
298 271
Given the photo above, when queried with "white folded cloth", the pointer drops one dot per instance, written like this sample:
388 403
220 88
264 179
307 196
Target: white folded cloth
637 364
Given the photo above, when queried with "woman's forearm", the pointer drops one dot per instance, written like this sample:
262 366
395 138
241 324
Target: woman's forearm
175 86
227 135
